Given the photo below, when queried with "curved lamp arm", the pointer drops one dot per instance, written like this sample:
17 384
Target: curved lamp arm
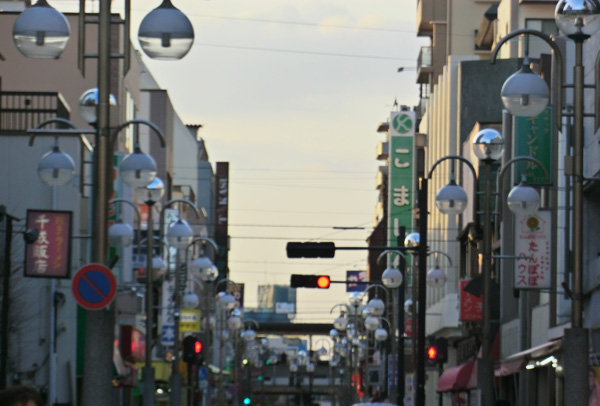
559 64
203 239
472 169
436 252
378 285
72 131
169 204
252 321
138 121
340 304
138 234
502 171
225 280
387 252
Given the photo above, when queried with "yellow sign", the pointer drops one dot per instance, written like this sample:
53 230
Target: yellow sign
190 321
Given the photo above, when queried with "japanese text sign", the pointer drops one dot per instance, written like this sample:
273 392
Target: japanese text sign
50 255
401 173
534 139
471 306
532 240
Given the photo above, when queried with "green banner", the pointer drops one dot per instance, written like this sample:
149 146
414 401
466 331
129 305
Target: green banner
533 137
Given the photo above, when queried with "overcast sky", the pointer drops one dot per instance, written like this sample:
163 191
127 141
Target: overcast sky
290 93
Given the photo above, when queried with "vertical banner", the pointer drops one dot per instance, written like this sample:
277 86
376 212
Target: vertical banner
356 276
401 180
533 235
471 306
533 137
50 255
221 217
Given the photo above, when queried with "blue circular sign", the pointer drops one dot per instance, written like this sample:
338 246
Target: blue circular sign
94 286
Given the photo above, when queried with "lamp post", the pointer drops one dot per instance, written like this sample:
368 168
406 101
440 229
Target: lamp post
578 21
392 278
31 32
180 236
452 199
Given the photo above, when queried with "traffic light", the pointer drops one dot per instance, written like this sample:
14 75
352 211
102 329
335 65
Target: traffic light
310 249
436 352
310 281
192 349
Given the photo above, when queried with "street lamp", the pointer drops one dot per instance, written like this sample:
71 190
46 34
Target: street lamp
42 32
578 20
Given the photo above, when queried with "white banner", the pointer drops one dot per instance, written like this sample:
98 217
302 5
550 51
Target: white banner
533 235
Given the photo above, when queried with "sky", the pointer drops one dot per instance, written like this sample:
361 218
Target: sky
290 93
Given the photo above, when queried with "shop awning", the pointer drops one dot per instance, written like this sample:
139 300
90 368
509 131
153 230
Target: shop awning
509 367
537 352
459 378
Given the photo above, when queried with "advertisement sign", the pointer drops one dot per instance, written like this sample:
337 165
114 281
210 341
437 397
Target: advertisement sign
401 174
190 321
356 276
533 137
533 235
471 306
50 255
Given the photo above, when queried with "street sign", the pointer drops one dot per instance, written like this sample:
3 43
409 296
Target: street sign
202 373
167 334
94 286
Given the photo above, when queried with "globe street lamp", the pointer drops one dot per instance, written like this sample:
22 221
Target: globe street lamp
578 20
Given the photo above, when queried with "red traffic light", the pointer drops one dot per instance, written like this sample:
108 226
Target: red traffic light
197 347
323 282
432 353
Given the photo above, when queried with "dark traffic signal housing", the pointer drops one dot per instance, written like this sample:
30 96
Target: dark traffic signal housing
192 350
310 281
310 249
436 351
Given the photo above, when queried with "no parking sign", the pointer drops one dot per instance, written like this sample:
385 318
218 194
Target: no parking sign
94 286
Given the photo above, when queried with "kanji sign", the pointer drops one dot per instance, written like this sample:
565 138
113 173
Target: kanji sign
401 174
533 235
94 286
50 255
471 306
190 321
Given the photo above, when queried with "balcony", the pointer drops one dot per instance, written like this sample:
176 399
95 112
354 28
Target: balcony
427 12
425 64
20 111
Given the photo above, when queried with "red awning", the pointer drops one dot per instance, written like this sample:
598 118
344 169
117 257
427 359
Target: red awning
459 378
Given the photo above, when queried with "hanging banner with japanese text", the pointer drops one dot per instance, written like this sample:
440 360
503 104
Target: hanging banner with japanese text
50 255
471 306
356 276
533 235
533 138
401 174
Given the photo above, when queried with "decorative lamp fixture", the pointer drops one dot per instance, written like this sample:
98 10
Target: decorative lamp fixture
333 333
191 300
226 300
41 31
234 323
152 193
371 323
180 234
56 168
577 17
412 240
120 234
391 278
525 93
88 105
166 33
159 265
249 335
523 199
488 145
381 334
293 367
451 199
436 278
408 306
376 306
340 323
138 169
203 268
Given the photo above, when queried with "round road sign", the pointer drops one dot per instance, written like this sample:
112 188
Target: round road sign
94 286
